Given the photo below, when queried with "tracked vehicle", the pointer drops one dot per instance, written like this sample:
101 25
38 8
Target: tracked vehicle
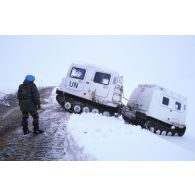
88 88
156 109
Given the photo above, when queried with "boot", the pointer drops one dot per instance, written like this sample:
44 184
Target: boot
36 129
26 131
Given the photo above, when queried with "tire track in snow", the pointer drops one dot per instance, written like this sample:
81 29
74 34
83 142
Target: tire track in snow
54 144
9 112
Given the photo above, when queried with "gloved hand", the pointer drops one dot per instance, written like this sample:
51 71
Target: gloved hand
38 106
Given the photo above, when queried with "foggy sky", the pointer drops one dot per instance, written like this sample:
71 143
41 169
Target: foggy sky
163 60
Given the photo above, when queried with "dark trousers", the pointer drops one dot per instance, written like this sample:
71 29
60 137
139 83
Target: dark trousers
25 116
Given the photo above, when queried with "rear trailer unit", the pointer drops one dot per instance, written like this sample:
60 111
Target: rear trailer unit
157 109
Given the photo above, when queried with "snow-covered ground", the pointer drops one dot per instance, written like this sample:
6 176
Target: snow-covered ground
110 139
95 137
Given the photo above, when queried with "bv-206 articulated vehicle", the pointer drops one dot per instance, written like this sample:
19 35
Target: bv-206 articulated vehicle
88 88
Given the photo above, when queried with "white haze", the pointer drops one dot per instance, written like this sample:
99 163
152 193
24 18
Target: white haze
164 60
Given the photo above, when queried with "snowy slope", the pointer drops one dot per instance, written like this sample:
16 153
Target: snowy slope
110 139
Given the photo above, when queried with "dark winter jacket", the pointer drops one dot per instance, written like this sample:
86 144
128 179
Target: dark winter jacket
28 96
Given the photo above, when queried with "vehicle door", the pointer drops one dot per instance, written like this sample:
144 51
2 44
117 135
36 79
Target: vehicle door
101 84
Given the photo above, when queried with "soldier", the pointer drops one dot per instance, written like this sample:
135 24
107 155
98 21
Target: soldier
29 102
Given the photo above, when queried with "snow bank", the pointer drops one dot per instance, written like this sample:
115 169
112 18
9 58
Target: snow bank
3 100
110 139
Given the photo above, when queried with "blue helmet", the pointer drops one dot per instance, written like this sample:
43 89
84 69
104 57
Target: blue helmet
29 78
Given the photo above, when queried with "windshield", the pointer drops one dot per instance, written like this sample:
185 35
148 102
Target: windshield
77 73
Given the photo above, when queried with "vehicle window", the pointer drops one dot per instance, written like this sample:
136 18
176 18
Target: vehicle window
77 73
102 78
165 101
177 106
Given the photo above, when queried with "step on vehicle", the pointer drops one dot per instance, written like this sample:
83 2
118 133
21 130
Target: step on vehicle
88 88
156 109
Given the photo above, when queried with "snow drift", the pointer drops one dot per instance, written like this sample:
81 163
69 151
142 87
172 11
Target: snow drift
107 138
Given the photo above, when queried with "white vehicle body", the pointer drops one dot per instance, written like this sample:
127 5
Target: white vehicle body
94 84
159 103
